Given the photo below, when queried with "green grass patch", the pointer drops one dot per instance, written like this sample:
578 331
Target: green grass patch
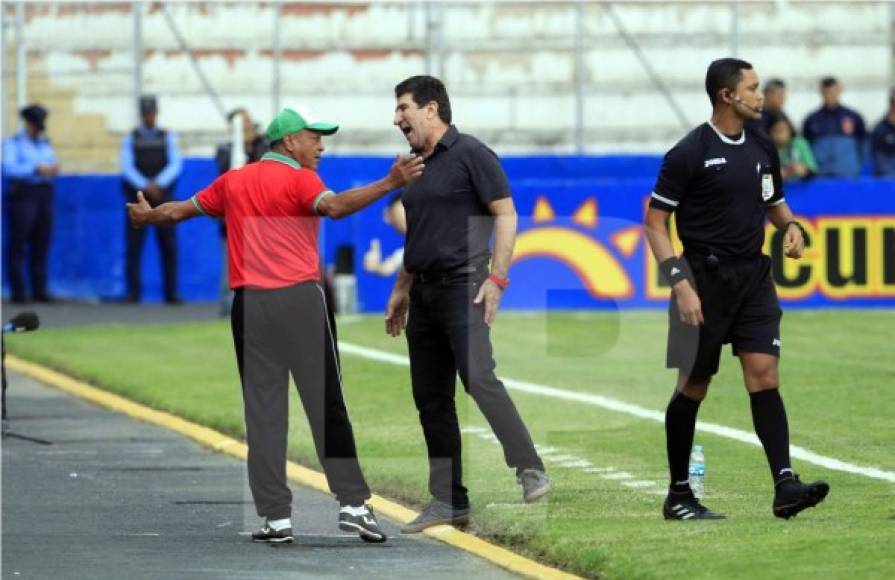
837 383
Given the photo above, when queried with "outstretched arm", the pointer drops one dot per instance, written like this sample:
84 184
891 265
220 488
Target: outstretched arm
169 213
404 170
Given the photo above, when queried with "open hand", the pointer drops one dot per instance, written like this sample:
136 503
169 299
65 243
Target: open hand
405 169
139 211
490 293
396 312
688 304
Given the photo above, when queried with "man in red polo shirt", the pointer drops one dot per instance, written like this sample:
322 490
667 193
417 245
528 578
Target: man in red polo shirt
272 210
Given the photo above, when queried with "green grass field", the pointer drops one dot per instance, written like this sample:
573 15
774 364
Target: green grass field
837 373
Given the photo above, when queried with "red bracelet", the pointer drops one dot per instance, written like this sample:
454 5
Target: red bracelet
501 283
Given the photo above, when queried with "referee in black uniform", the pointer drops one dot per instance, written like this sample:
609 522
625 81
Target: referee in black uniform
452 288
722 180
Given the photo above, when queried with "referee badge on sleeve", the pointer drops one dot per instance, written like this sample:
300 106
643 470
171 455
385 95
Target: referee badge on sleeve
767 186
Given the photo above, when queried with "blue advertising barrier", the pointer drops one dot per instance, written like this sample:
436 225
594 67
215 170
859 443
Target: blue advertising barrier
579 243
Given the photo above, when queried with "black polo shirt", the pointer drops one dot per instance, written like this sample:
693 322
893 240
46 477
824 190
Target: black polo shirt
720 186
449 224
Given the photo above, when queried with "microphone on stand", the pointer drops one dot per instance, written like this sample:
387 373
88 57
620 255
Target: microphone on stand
24 322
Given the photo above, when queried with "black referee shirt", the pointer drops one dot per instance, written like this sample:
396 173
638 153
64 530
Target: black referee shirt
719 187
448 221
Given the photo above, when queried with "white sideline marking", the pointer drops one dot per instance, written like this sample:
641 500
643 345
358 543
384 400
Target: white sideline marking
564 457
640 484
640 412
578 464
599 469
582 465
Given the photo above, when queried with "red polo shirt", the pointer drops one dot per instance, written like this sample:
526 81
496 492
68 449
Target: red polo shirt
272 224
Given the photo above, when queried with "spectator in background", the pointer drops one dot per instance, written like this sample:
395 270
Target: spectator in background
837 134
774 101
29 164
796 158
254 144
395 216
883 142
246 145
151 162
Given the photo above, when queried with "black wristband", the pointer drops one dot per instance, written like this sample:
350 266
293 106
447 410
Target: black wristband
674 270
798 225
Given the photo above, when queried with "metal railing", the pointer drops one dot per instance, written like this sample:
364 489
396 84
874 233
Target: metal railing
436 44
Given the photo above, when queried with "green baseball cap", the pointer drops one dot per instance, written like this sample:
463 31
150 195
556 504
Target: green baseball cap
289 121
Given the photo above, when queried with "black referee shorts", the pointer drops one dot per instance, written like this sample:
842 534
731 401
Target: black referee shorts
739 305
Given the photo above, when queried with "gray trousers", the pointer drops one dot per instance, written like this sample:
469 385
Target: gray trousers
278 332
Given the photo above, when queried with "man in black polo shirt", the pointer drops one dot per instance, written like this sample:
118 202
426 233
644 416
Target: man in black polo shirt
452 296
722 180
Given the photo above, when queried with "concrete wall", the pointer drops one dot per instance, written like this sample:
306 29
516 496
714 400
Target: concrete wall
510 67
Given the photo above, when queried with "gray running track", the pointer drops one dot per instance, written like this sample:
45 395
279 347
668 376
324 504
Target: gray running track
116 498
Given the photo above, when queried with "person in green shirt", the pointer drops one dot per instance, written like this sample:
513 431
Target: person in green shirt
796 158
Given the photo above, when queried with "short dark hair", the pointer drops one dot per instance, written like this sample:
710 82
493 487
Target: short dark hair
774 84
828 82
424 89
774 118
724 73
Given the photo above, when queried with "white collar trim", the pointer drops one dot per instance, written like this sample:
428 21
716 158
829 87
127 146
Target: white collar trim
725 139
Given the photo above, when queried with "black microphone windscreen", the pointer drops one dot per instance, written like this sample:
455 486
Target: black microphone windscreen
26 321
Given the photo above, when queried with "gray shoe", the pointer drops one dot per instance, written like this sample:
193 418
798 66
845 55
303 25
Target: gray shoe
437 513
535 484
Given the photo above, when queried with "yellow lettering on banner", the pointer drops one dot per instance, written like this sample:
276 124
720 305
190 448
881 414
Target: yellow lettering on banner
656 288
795 279
844 248
845 257
882 256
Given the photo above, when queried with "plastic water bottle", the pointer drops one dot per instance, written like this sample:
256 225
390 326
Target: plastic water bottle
697 471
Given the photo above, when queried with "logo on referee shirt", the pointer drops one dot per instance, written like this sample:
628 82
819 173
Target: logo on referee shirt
767 186
715 161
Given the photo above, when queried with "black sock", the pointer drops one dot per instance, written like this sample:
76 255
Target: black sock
769 418
680 424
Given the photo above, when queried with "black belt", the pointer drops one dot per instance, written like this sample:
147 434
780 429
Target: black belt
712 261
445 275
16 186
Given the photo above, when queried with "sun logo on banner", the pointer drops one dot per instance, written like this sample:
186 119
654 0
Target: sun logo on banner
601 274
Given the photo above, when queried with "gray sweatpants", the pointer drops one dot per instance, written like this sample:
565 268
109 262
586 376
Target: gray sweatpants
278 332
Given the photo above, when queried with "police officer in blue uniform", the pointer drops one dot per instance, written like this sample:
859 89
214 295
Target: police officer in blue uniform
29 165
151 162
882 142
